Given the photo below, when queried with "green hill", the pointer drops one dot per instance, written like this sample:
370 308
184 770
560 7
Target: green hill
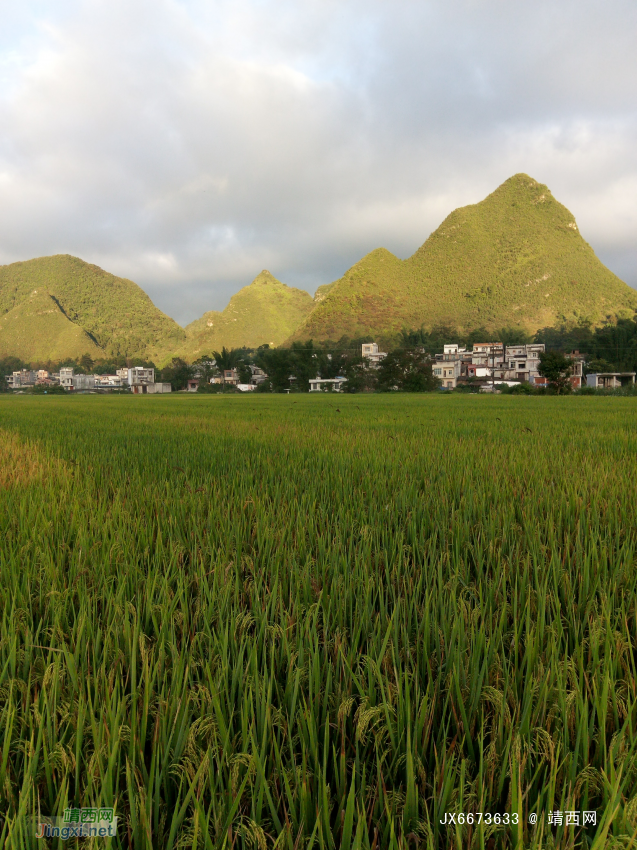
114 313
266 311
38 330
515 259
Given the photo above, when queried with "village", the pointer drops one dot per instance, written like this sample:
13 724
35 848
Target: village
488 367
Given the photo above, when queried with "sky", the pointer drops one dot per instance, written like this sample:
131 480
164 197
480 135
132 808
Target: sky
189 145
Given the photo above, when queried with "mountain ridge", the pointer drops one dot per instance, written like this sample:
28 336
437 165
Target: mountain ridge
37 329
484 266
265 311
114 312
515 259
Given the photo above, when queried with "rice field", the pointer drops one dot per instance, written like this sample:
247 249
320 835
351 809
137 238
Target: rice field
320 622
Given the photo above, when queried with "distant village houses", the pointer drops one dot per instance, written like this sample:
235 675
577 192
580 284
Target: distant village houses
140 380
492 364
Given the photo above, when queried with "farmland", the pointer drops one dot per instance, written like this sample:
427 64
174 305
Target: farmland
321 622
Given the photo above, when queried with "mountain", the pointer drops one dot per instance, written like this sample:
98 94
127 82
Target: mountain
37 330
88 311
264 312
516 259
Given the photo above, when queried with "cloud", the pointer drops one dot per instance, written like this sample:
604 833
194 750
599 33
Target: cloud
189 145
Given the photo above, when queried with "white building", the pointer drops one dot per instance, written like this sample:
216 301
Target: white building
522 362
610 380
447 372
451 365
318 385
108 381
140 375
453 352
371 353
70 381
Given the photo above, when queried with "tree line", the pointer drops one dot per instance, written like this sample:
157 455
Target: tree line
611 347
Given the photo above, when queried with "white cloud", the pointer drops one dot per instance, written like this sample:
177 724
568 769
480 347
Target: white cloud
189 145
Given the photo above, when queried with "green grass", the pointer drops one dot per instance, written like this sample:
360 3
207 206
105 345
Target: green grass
319 622
516 259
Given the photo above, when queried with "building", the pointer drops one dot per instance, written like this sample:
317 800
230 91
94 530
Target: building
46 379
577 366
108 382
258 375
451 365
150 389
496 386
575 378
193 385
610 380
484 353
229 376
523 361
140 375
72 382
23 378
453 352
66 377
448 373
474 371
246 388
487 362
371 354
318 385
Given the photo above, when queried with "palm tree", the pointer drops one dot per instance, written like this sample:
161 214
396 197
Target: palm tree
225 359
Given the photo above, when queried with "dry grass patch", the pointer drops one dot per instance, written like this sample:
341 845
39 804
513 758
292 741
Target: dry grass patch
22 462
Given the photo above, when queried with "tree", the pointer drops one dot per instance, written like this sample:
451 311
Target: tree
9 365
556 368
204 369
277 364
244 372
406 370
304 360
177 374
594 366
226 359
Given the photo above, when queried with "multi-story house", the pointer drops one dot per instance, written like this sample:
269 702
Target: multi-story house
258 375
371 354
23 378
70 381
140 375
447 372
523 361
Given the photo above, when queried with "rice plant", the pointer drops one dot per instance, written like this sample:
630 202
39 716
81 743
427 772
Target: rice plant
309 622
